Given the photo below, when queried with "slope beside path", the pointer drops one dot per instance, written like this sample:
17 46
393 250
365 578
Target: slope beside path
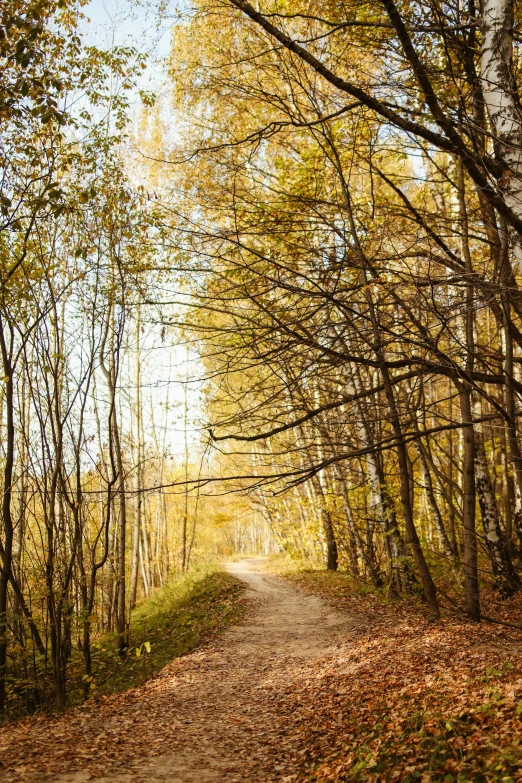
210 716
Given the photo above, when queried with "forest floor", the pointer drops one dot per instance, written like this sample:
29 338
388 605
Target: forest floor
208 716
316 683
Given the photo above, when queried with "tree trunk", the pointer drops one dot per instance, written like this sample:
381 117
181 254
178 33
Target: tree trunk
507 581
7 521
332 557
412 537
469 538
432 502
503 105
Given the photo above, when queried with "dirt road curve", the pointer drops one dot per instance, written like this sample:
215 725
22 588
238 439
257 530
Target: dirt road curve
210 716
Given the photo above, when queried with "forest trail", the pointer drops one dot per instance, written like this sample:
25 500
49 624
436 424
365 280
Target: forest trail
209 716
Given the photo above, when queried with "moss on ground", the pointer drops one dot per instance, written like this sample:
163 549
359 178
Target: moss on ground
174 621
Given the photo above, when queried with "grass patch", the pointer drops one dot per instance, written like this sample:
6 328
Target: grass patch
173 621
176 619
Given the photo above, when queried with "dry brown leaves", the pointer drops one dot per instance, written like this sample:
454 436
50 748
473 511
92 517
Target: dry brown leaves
207 716
410 700
401 699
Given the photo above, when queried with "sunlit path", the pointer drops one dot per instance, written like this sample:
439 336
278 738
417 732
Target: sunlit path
210 716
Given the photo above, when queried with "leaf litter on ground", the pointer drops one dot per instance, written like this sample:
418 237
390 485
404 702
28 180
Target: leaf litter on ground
407 699
398 699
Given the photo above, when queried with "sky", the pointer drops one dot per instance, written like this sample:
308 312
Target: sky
120 22
165 368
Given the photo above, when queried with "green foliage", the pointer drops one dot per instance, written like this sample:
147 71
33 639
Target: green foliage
173 621
183 614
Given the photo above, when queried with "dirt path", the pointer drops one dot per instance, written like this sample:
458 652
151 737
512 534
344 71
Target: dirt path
210 716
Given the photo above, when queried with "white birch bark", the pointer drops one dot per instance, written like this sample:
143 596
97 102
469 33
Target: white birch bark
506 578
503 106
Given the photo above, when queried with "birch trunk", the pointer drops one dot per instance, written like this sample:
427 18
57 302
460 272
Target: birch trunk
502 102
506 579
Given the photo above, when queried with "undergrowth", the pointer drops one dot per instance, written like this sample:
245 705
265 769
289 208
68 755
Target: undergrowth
177 618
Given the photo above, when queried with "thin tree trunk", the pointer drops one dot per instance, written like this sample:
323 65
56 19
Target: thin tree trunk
7 521
138 467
